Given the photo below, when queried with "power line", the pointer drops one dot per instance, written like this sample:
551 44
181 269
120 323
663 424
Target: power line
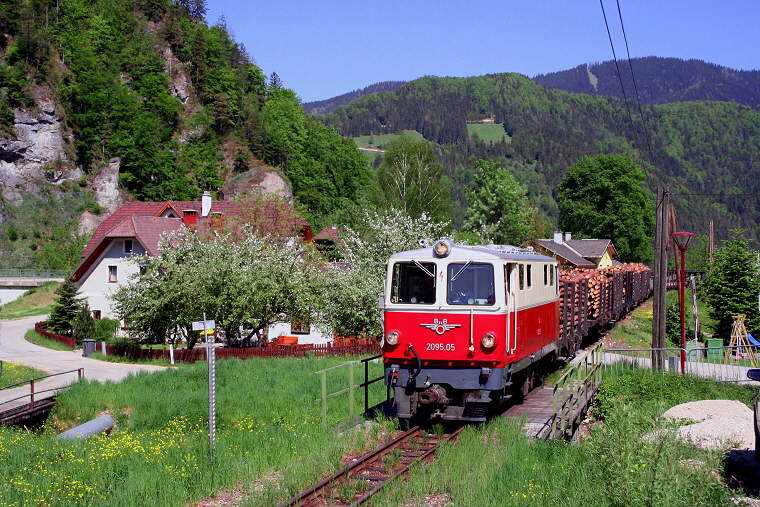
633 77
620 76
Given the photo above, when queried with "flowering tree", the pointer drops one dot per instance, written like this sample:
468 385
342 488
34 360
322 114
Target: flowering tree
350 305
249 281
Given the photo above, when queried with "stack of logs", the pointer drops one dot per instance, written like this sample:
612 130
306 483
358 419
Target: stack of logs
599 283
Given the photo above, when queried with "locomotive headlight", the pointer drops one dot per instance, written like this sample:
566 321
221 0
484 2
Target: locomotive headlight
488 341
442 248
392 337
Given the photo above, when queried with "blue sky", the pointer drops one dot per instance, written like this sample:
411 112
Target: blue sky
324 49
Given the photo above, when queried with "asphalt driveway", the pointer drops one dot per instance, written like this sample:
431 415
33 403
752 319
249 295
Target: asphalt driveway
15 348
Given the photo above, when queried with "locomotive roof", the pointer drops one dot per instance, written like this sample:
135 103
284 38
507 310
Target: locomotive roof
477 252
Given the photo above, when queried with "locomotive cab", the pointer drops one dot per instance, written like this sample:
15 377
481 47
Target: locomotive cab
460 322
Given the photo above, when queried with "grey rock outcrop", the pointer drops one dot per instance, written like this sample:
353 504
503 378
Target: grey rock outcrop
37 155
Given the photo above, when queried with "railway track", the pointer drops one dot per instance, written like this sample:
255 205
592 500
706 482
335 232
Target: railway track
357 482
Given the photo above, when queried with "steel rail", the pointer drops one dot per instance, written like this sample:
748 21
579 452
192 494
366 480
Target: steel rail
323 491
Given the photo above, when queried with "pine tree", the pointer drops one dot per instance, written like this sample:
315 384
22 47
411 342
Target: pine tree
65 310
83 326
732 286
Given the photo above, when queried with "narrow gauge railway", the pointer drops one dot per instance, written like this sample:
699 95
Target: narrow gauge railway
469 327
357 482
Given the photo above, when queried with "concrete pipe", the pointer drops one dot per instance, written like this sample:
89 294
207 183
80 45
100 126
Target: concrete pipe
97 426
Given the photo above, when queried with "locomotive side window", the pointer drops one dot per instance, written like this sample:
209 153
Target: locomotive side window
413 282
530 275
551 276
546 274
522 276
470 284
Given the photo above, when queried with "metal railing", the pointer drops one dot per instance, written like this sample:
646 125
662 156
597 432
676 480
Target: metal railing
574 392
34 274
722 364
351 386
33 393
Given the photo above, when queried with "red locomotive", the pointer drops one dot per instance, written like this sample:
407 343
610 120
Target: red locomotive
466 326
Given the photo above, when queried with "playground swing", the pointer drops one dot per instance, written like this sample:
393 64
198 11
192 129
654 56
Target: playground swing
742 341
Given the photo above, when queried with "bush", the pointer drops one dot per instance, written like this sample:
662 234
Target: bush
105 329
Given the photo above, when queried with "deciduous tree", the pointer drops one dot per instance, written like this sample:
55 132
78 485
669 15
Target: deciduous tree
352 288
248 282
410 179
604 197
497 209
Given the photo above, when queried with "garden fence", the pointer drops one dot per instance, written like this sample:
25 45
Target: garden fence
351 348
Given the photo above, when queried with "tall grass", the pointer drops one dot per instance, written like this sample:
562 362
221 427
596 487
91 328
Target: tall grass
269 438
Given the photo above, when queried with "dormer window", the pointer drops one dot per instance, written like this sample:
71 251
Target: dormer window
128 246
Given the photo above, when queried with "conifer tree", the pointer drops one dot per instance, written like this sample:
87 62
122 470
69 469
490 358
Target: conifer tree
733 285
83 326
65 310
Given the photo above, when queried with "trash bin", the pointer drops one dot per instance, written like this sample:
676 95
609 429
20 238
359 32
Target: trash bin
714 350
88 346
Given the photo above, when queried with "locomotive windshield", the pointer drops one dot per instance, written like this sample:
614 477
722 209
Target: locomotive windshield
413 282
470 284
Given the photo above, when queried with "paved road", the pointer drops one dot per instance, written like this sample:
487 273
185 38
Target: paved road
15 348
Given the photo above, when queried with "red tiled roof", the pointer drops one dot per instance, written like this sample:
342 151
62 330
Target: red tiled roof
142 220
149 230
329 234
128 209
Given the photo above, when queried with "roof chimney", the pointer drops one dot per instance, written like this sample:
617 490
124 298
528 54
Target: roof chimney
189 216
568 236
558 237
205 203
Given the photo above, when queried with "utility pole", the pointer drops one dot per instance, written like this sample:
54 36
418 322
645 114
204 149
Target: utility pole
659 314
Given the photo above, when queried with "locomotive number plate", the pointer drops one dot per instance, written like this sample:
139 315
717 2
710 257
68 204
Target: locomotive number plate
440 346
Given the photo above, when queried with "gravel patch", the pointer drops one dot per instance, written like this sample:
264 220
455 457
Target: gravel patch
718 424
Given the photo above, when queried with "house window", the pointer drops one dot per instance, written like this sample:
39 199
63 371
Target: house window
300 327
128 246
113 274
96 314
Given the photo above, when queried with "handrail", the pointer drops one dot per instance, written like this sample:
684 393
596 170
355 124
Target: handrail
574 391
35 273
80 374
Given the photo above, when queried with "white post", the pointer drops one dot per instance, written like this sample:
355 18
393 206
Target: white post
171 352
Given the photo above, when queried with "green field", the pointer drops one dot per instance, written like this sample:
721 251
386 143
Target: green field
488 132
381 141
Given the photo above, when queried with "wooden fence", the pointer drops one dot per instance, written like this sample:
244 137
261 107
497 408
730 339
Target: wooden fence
352 348
41 328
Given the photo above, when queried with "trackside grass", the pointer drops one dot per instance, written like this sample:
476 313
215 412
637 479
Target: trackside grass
632 458
270 441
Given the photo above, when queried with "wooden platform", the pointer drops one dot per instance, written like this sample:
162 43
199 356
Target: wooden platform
536 411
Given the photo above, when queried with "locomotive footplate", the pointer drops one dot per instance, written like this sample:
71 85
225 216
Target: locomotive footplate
454 394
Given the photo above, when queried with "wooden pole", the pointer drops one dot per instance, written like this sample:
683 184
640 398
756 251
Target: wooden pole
662 239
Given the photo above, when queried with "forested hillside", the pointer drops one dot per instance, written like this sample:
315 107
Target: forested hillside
660 81
327 105
707 152
180 103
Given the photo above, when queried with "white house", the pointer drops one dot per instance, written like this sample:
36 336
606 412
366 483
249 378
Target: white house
136 228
